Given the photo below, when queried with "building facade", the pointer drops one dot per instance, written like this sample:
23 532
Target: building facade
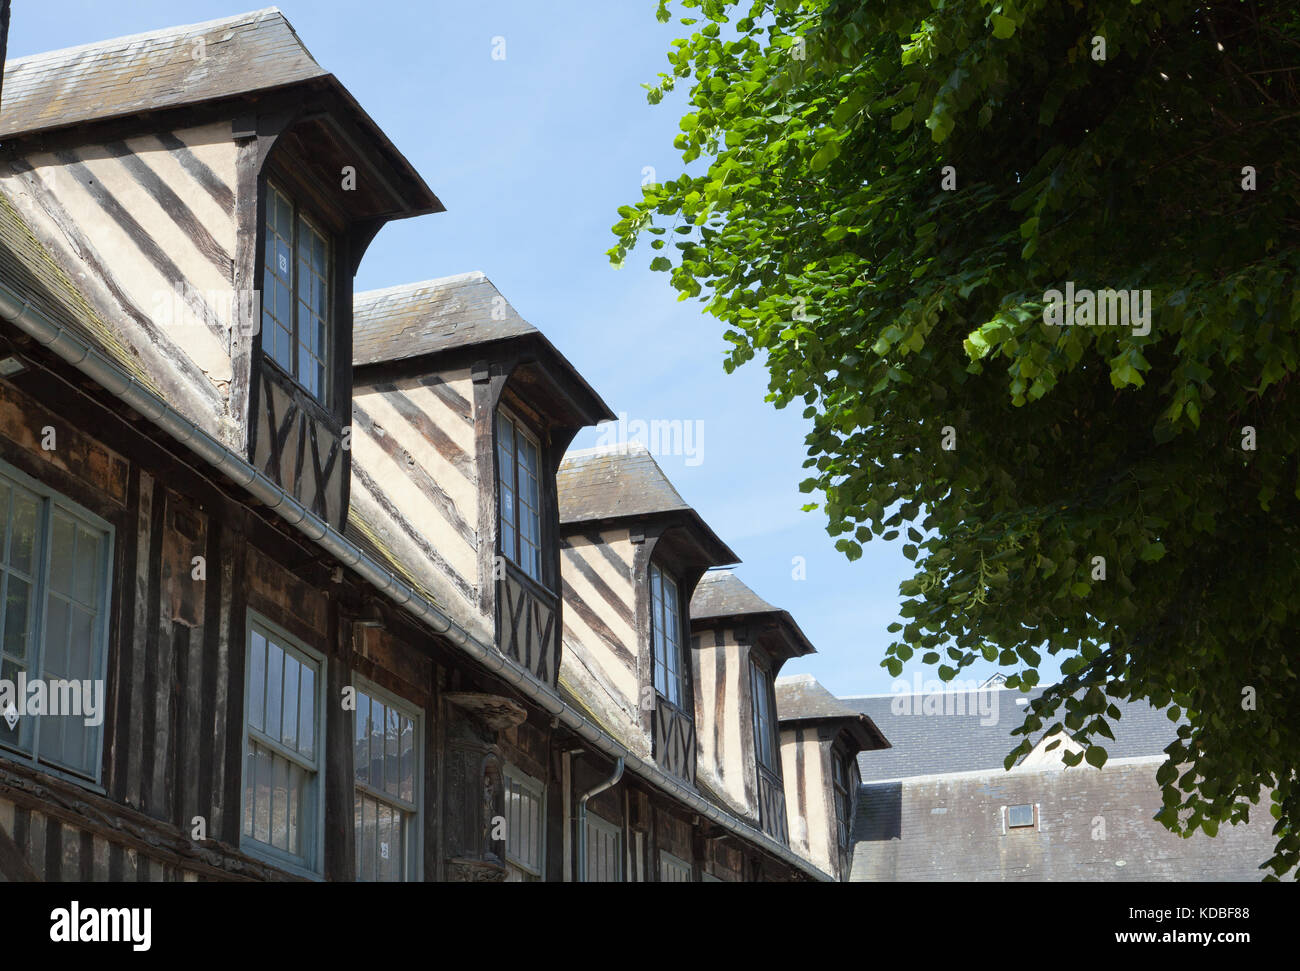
940 804
297 582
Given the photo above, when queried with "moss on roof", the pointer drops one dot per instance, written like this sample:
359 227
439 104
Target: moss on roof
28 269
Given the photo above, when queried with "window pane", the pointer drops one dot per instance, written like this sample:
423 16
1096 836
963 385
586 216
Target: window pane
406 789
308 367
85 586
508 505
376 744
257 681
297 782
284 216
5 495
507 539
262 819
250 788
527 455
22 542
289 719
274 686
17 608
57 623
389 850
62 552
81 645
284 306
391 768
307 713
369 833
280 804
361 739
506 435
282 268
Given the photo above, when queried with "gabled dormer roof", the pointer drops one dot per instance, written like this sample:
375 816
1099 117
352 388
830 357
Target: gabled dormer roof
801 699
623 484
415 319
417 326
245 56
615 483
721 596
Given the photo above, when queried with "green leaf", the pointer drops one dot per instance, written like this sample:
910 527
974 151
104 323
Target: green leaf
824 156
1153 552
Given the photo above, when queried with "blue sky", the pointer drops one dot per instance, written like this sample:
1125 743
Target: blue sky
532 154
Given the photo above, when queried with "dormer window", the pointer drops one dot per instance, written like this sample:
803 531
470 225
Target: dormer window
840 778
666 631
518 465
296 294
764 723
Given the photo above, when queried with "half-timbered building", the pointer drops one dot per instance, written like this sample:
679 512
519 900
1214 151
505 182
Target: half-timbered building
296 583
739 644
820 738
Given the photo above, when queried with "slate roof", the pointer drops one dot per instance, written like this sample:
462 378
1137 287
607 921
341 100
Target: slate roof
625 482
466 310
956 741
802 698
415 319
721 594
950 828
612 483
245 53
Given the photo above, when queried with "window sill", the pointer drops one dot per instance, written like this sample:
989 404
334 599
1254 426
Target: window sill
534 586
44 768
260 852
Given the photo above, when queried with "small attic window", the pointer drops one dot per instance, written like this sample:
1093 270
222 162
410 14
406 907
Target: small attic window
295 294
670 663
1020 816
519 494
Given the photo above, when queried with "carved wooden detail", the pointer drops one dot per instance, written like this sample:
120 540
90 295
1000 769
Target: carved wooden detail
300 449
495 712
475 792
674 741
771 806
528 624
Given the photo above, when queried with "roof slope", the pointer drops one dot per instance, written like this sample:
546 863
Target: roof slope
720 593
612 483
950 828
802 697
248 52
414 319
27 268
958 735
